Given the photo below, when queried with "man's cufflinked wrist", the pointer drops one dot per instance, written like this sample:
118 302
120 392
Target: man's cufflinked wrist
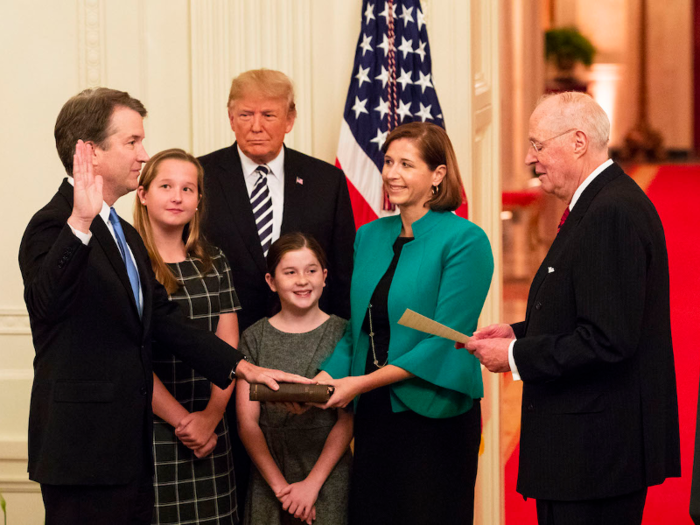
232 375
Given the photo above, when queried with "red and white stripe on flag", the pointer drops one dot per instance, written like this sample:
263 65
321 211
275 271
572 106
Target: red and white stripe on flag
391 84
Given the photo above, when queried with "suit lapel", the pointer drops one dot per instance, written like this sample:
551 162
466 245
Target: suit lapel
104 238
294 194
232 182
609 174
568 229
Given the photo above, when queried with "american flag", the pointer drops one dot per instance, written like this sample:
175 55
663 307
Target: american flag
391 84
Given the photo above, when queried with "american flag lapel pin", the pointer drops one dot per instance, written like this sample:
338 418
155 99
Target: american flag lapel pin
300 181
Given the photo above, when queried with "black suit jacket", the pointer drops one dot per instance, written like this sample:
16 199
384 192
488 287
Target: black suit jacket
316 202
695 487
599 412
90 417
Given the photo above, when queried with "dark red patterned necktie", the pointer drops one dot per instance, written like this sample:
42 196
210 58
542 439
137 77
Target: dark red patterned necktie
563 219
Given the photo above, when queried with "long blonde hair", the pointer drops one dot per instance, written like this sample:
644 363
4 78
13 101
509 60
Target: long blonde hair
195 245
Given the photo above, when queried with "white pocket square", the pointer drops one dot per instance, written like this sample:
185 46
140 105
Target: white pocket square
550 269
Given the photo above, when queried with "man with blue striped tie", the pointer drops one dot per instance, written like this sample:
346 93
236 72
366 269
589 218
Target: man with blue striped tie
95 309
261 202
258 189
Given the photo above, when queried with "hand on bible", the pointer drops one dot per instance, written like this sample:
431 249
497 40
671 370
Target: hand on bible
267 376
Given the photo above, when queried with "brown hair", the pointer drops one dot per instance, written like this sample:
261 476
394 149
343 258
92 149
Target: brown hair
267 82
290 242
88 116
435 150
195 245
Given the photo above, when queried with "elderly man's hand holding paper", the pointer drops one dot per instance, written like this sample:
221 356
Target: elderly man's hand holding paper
490 345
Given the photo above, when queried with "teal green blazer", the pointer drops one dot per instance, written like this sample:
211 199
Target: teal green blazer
444 274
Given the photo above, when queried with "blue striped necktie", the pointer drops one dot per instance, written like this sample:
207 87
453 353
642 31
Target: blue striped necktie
128 261
261 203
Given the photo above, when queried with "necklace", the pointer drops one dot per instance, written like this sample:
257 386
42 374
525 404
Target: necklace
371 339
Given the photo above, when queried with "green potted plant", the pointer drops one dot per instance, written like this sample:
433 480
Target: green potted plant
565 47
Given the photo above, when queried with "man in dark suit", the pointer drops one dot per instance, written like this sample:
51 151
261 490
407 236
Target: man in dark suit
258 189
95 308
695 487
306 195
599 408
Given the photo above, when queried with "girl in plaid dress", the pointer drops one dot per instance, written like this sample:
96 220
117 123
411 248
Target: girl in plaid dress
194 479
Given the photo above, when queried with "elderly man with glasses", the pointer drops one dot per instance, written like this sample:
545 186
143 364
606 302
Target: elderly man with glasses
599 408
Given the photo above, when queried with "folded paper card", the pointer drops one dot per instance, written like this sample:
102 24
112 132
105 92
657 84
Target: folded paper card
421 323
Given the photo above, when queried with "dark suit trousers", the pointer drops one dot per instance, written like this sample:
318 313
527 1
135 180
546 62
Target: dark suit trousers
620 510
130 504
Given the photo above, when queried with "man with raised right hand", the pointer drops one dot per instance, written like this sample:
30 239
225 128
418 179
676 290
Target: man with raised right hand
95 308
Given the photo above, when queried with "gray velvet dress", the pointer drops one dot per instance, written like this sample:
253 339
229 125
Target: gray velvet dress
296 441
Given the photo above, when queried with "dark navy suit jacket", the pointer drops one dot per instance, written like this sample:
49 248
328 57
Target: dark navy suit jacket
599 410
316 202
90 418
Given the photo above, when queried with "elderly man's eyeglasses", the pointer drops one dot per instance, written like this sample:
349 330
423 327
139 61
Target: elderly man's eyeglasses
538 146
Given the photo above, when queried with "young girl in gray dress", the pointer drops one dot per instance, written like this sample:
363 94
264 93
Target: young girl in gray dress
301 452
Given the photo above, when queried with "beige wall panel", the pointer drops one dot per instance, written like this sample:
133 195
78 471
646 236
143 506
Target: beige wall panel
627 93
336 26
210 74
15 387
166 89
231 37
24 504
39 72
613 26
449 33
486 163
670 71
522 79
465 65
603 21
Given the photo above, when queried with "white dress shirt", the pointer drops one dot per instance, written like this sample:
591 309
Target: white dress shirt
587 181
275 183
85 238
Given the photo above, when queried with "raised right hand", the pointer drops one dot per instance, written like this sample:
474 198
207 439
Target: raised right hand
87 189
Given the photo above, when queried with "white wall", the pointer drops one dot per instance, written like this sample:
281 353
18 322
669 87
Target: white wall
178 58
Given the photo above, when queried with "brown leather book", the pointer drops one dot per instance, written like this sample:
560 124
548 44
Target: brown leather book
297 392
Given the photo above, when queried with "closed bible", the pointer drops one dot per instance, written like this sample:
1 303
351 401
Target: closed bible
289 392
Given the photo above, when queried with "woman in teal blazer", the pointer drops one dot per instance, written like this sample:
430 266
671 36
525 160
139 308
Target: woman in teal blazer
416 397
